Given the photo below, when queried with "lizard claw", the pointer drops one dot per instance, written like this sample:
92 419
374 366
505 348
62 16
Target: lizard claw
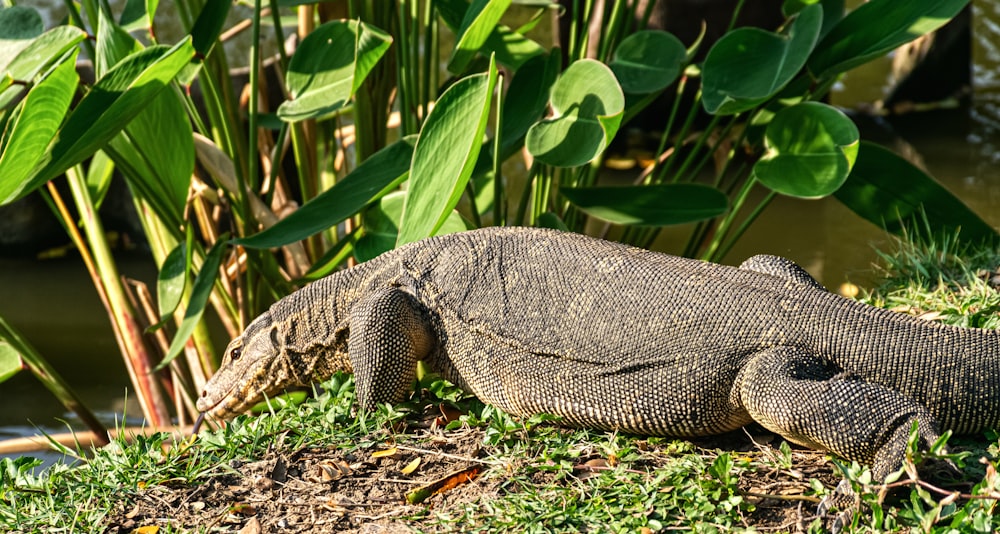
843 501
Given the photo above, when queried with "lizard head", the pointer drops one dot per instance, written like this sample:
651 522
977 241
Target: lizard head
253 367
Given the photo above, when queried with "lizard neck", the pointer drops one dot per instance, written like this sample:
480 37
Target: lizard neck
312 324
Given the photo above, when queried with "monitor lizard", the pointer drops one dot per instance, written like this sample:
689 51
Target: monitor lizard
614 337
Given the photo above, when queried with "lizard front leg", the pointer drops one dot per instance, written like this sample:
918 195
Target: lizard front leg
388 336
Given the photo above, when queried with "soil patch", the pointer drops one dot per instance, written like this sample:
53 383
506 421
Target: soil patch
328 489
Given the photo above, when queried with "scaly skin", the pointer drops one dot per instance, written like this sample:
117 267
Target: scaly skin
613 337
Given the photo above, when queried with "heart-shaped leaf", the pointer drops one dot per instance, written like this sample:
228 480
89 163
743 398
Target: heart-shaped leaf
749 65
811 148
329 66
587 105
648 61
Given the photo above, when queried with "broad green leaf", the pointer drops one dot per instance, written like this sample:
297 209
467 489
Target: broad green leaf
648 61
587 105
10 361
649 205
37 57
171 281
381 226
208 25
889 191
511 48
156 155
528 95
19 26
114 101
371 180
31 130
749 65
334 257
876 27
113 43
329 66
445 154
200 291
134 15
480 19
811 148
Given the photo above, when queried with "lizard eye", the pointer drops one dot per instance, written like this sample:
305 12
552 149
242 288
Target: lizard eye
235 353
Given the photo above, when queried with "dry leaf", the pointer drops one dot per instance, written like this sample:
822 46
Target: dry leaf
252 527
443 485
459 478
929 316
242 508
329 470
411 467
385 453
596 463
448 414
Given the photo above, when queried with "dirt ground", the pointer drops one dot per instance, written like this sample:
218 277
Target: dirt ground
329 490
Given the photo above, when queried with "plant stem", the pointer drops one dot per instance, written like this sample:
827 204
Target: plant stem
720 233
522 205
499 200
249 182
655 176
679 141
744 226
127 330
696 152
609 37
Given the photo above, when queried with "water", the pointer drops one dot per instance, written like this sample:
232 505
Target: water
54 305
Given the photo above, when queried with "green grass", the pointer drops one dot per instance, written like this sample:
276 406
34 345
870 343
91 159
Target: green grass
533 471
531 475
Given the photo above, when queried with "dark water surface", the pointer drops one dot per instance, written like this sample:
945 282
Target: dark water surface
55 306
